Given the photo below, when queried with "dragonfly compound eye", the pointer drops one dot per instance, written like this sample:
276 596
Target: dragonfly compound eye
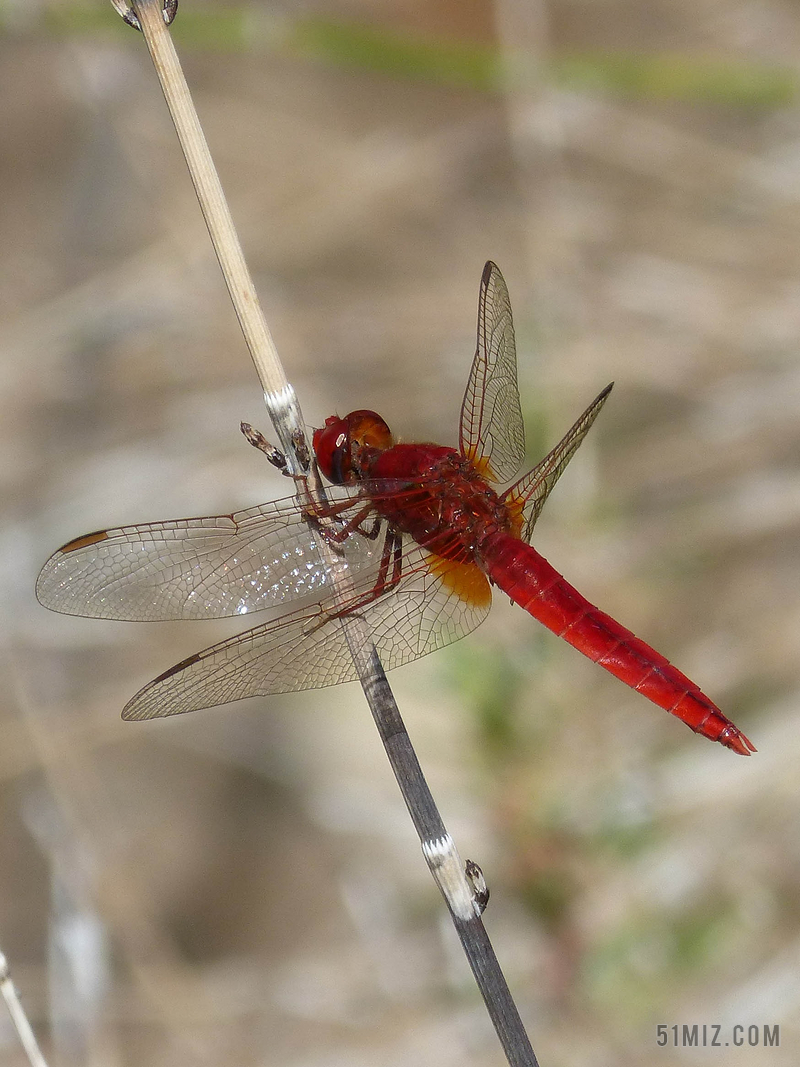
368 430
332 449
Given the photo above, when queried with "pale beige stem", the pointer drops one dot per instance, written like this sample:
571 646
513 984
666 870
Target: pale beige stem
18 1017
278 393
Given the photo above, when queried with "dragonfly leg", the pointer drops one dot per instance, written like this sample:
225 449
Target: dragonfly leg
392 557
300 446
259 441
315 511
274 455
354 525
372 533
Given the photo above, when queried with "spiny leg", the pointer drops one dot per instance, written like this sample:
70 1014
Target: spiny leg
355 525
274 455
392 556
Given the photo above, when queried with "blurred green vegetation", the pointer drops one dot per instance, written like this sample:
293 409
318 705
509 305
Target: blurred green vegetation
628 968
549 895
488 684
459 63
492 681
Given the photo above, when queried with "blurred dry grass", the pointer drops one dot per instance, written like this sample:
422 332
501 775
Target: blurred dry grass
241 885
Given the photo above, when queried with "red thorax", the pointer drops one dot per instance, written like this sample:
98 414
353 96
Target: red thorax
425 490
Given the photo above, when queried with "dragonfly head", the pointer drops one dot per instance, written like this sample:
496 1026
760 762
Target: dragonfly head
344 447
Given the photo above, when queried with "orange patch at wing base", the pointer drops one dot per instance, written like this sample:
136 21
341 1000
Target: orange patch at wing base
466 580
515 506
481 465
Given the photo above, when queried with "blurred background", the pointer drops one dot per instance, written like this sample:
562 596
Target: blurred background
242 885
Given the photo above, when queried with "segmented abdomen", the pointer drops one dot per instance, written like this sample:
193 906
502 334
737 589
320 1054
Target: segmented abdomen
536 586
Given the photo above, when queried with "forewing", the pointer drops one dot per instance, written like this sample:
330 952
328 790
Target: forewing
199 568
529 494
433 604
492 434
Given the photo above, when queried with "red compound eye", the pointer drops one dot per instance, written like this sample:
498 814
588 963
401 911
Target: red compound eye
332 449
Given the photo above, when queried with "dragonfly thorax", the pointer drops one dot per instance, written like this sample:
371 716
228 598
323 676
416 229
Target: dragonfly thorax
436 495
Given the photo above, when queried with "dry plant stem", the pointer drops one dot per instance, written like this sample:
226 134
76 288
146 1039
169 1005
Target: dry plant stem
278 394
18 1017
438 847
447 868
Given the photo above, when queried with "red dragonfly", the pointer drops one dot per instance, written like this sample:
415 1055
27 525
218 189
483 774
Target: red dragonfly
425 536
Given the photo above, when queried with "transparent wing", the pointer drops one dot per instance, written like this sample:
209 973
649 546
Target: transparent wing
492 434
434 603
199 568
529 494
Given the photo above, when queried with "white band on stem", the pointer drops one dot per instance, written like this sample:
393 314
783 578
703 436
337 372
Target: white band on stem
448 870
